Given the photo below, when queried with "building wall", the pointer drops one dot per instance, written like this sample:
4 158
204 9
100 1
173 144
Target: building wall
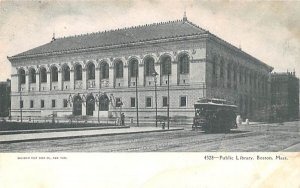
190 85
245 81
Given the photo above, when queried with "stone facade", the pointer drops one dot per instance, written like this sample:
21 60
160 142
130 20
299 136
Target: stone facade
199 65
285 96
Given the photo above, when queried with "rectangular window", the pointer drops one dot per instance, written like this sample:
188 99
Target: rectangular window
53 103
31 104
118 102
42 103
132 102
148 101
165 101
21 104
65 103
183 101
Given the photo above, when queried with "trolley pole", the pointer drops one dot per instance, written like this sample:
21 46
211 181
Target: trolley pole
168 112
21 107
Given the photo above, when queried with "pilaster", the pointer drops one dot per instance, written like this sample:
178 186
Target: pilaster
48 80
59 80
97 77
84 79
72 80
37 79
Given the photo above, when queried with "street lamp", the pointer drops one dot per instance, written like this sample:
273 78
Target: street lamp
154 74
21 106
168 110
136 93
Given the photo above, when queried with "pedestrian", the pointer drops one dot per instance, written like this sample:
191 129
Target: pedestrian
122 119
238 120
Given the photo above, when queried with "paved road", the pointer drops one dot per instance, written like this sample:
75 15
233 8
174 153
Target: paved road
255 138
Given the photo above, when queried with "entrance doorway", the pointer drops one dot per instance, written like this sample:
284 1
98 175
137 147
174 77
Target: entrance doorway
90 105
104 102
77 106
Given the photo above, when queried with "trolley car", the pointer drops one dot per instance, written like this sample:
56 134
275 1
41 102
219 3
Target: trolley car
214 115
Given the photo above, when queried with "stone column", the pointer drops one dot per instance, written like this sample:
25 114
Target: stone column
72 80
97 77
27 88
84 108
125 75
141 75
111 77
37 82
84 79
174 69
59 80
48 81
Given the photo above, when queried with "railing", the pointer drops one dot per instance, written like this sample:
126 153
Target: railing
184 79
119 82
91 84
54 86
104 83
78 84
44 86
66 85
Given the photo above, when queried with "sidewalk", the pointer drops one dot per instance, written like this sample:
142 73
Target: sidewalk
78 134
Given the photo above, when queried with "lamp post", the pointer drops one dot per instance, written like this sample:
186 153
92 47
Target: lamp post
136 94
154 74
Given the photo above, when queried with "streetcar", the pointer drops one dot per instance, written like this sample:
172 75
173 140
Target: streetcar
214 115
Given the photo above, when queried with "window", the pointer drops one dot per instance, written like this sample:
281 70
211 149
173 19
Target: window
21 104
118 102
104 70
53 103
222 70
54 74
42 103
132 102
119 69
91 71
32 75
166 65
149 66
65 103
183 101
66 73
184 64
22 76
148 101
165 101
133 68
78 72
43 75
31 104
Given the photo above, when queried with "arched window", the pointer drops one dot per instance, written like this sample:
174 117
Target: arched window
166 65
54 74
91 71
133 68
78 72
43 74
149 66
22 77
184 65
104 68
66 73
32 76
119 69
222 69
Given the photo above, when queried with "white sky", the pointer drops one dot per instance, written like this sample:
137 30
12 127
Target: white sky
269 31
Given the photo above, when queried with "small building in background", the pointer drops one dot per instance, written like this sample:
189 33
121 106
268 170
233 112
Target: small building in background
284 96
5 98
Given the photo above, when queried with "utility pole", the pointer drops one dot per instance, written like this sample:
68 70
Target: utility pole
21 113
168 112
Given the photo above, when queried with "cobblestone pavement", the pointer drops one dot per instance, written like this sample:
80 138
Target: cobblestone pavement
251 138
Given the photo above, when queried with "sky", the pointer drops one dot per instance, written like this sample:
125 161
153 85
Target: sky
267 30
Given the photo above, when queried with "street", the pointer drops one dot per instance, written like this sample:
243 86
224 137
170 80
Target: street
247 138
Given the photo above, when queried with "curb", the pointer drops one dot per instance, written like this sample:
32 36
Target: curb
60 130
86 136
